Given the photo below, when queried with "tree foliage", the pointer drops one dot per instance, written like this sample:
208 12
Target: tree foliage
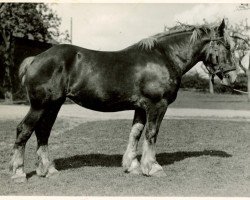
30 20
35 21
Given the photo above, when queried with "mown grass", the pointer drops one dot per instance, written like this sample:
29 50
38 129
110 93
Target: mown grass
200 158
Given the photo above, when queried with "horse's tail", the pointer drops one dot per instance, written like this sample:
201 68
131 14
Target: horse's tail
23 68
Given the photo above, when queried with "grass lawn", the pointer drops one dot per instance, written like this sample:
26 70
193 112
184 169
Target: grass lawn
200 158
190 99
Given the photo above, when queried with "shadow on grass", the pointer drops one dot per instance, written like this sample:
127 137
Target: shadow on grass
30 174
79 161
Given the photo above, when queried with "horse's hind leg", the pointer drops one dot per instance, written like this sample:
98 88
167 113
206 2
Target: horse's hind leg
42 131
130 162
24 131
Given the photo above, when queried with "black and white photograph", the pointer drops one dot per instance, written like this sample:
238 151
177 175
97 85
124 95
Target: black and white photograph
131 99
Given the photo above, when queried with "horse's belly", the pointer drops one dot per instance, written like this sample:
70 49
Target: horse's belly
103 105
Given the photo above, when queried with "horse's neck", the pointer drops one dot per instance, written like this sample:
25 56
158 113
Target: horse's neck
183 54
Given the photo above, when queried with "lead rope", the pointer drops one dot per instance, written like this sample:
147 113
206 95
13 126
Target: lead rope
240 91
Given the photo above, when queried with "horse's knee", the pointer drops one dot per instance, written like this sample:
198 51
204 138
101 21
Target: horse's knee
19 128
23 134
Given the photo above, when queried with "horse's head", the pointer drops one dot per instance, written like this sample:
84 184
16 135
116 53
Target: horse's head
219 57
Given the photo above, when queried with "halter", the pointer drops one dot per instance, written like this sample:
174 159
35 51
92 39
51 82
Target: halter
219 70
221 73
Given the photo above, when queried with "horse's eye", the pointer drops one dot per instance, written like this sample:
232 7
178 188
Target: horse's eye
228 47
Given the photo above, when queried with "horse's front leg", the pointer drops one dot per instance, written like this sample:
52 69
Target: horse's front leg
130 161
149 165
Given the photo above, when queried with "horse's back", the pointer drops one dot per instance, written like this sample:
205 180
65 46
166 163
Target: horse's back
67 70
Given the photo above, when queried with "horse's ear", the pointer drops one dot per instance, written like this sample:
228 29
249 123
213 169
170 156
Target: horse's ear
221 28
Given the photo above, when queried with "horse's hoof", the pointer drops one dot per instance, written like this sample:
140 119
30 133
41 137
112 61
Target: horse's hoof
46 170
134 168
19 178
52 172
135 171
127 160
157 171
40 172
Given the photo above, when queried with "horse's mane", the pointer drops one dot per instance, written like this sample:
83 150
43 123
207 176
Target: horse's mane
197 31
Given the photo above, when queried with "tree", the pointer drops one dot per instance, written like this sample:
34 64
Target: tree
30 20
240 33
34 21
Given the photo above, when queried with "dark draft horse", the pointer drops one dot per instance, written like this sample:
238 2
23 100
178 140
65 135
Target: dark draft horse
144 77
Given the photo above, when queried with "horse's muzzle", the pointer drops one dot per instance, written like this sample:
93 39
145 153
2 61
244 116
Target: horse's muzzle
226 82
229 78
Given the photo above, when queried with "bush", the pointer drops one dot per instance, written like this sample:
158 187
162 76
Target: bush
194 81
218 88
17 96
240 84
1 93
20 95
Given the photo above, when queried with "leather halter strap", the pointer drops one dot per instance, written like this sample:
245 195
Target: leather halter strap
220 72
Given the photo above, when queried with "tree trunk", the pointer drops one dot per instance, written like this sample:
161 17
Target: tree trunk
8 97
248 85
8 65
211 85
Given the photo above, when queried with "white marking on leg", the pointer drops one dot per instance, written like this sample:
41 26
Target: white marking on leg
131 150
148 156
17 165
17 160
43 153
45 166
19 176
43 160
149 165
